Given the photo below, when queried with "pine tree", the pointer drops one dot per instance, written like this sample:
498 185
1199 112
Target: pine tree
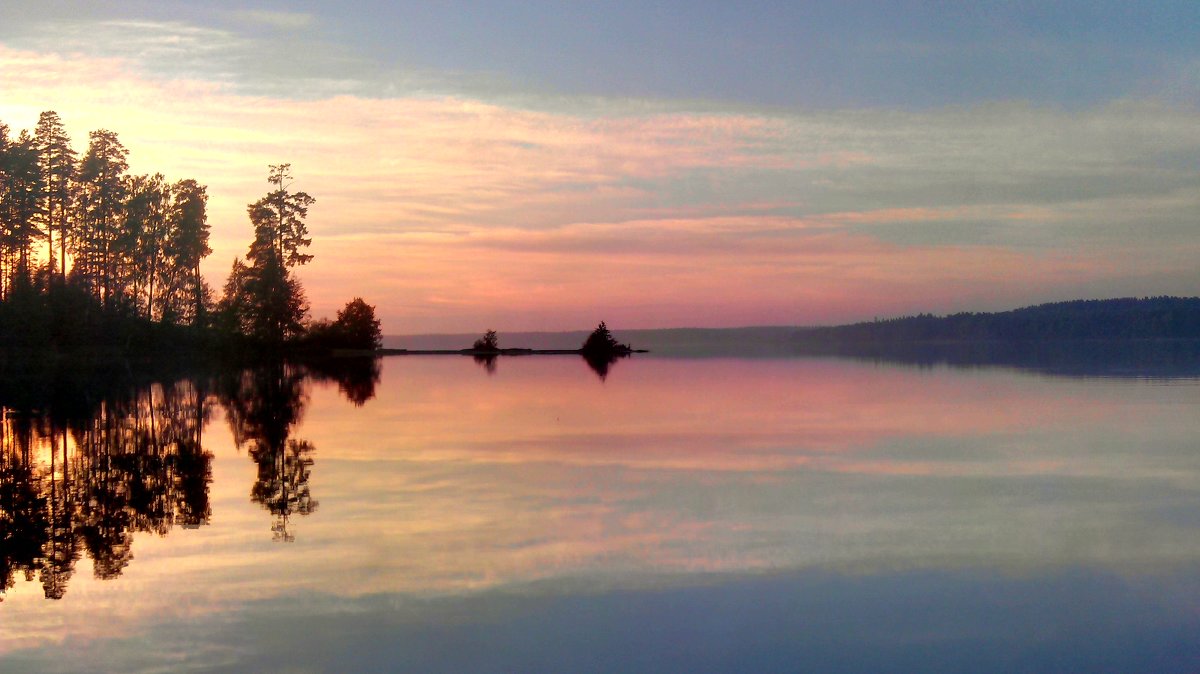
101 202
188 244
57 163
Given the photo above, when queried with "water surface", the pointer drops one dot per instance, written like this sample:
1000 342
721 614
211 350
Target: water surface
772 514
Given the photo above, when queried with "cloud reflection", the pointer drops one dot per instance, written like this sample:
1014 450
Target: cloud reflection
453 481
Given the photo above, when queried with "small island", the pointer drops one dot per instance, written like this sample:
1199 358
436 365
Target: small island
600 344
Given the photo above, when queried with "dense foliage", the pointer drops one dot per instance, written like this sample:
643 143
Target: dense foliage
355 328
82 234
91 256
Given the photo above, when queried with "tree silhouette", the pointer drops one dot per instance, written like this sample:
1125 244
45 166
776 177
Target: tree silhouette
489 342
356 322
187 246
145 236
135 244
601 342
57 163
263 300
278 218
102 190
601 350
20 196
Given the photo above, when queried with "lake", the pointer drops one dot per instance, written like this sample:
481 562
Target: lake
677 515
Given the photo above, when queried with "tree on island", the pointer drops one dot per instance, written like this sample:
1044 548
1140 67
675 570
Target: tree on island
489 342
601 350
278 219
487 349
187 246
602 343
264 301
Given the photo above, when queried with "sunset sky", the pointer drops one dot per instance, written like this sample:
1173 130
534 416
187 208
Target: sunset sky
534 165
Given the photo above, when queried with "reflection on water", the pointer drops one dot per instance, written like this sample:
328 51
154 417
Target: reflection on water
85 484
1169 358
601 363
487 361
262 406
85 479
765 512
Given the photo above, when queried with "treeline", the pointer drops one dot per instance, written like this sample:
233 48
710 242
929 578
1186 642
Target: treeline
84 243
91 255
1126 318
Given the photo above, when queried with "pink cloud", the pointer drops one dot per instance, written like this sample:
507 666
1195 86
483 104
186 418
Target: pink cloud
448 212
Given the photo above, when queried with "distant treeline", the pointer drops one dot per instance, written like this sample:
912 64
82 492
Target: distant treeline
1125 318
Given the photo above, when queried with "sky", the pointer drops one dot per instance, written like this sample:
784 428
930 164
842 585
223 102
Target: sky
545 166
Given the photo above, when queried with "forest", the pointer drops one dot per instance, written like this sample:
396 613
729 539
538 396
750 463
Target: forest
1111 319
93 257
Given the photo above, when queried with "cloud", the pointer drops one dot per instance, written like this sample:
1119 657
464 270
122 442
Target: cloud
659 213
275 19
175 46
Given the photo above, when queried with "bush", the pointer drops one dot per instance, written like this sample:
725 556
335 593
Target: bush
489 342
358 325
355 328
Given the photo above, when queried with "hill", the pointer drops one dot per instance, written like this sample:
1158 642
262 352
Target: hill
1112 319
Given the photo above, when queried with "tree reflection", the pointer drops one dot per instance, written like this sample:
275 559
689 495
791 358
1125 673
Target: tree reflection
601 363
262 406
23 518
77 480
88 459
356 377
61 547
487 361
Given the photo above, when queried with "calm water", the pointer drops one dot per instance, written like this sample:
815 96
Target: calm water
678 515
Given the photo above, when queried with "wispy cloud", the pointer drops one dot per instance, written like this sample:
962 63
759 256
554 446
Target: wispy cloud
659 213
275 19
